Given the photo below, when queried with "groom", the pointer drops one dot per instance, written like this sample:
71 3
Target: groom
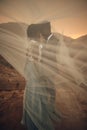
42 30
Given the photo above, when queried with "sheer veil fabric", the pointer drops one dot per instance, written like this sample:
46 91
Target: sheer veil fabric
45 66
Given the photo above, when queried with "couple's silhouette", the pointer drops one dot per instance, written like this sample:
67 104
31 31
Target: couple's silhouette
40 93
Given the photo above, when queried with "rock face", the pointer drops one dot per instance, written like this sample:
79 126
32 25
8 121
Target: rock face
10 79
71 102
73 105
15 28
11 109
11 97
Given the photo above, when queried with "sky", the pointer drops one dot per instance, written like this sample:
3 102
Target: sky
67 16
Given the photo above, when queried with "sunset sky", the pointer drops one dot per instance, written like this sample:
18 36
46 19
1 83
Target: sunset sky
67 16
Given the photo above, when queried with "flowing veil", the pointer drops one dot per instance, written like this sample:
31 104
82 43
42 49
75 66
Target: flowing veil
68 70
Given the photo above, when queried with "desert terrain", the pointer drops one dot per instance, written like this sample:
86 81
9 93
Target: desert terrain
11 97
71 103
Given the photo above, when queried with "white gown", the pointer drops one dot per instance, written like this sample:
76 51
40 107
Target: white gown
39 100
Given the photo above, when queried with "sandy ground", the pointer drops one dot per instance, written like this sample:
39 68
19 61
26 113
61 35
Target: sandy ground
11 110
71 102
11 97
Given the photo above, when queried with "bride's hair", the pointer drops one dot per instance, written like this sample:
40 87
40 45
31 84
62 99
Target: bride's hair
34 30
